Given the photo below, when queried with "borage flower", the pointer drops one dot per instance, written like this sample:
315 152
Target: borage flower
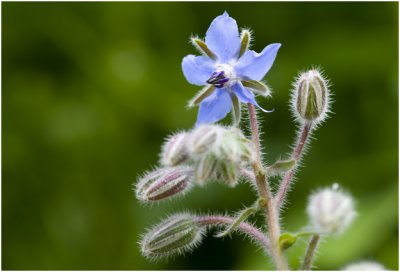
228 69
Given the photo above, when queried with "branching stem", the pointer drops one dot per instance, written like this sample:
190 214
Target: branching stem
248 174
256 234
264 191
296 155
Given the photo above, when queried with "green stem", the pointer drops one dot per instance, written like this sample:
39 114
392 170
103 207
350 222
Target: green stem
310 254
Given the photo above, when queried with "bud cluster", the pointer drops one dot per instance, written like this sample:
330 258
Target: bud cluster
214 151
331 210
206 153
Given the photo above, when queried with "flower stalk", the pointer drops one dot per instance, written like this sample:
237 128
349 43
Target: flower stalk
253 232
310 254
264 191
287 180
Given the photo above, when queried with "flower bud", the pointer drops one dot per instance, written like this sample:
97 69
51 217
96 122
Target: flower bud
164 183
227 172
204 169
177 234
330 210
236 147
310 97
174 151
365 266
203 138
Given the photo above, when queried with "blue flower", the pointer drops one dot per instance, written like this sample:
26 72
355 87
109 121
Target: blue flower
228 70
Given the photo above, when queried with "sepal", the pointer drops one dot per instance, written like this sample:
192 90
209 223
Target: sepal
202 47
257 87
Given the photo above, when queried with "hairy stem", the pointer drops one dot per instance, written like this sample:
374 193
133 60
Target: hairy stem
248 174
296 155
255 134
264 191
312 247
256 234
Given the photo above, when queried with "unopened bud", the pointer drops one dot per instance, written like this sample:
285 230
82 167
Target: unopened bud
174 151
310 99
227 172
218 153
365 266
205 169
203 138
330 210
164 183
236 147
177 234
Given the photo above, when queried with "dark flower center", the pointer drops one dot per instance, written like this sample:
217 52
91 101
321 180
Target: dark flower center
218 79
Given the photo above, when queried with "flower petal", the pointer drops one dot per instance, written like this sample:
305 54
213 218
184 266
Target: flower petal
245 96
215 107
222 37
197 69
253 65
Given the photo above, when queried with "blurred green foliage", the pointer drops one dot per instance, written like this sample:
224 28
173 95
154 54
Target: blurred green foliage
89 91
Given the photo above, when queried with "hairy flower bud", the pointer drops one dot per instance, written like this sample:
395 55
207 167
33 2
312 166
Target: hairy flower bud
164 183
227 171
331 210
310 97
218 152
365 266
204 169
236 147
177 234
174 151
204 138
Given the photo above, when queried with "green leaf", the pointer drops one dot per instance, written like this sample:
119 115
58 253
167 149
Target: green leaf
286 240
244 214
281 167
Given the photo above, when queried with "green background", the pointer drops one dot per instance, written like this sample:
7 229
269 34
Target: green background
90 90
